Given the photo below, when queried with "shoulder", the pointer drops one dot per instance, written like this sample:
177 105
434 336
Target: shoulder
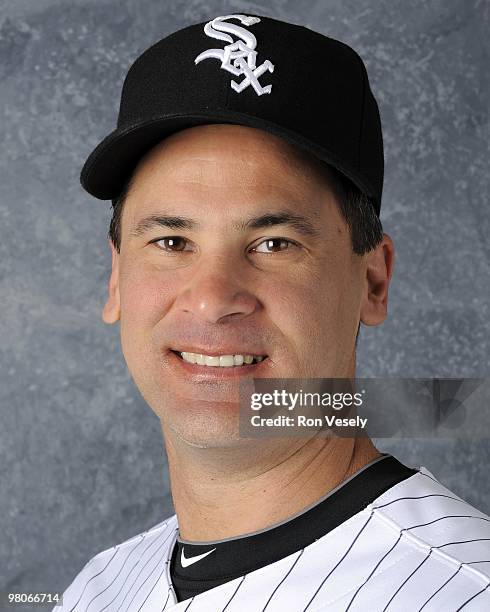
118 564
150 535
432 517
417 545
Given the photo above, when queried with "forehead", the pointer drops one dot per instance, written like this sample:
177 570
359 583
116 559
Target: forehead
190 153
243 165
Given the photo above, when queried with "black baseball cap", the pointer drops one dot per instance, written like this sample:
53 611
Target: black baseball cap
254 71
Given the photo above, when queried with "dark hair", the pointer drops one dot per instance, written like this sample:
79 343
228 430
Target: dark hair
357 210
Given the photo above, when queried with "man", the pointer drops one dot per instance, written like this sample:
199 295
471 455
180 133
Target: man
246 243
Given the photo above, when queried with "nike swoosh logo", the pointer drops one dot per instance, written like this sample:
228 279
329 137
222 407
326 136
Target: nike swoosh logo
186 561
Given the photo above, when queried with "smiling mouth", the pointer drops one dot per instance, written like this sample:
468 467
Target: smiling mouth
220 361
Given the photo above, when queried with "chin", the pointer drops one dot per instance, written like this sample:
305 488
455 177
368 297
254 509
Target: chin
207 434
202 424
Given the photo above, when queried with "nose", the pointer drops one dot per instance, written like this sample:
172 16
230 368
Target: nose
216 294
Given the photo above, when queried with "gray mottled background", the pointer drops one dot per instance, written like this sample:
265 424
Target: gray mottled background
81 457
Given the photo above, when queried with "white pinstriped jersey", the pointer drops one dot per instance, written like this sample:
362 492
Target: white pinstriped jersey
418 546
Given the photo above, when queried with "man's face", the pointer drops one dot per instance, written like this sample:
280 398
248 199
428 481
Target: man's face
220 280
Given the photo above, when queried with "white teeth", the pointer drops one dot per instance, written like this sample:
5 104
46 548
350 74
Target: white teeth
223 361
190 357
226 361
211 361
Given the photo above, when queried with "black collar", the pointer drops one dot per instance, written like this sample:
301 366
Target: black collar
233 557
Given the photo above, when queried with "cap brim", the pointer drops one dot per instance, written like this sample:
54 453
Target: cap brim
112 161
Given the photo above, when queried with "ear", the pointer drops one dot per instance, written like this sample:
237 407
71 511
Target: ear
379 268
112 309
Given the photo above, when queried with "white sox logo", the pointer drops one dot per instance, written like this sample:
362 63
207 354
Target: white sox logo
238 57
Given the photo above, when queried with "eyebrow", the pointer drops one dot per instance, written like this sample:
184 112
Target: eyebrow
298 222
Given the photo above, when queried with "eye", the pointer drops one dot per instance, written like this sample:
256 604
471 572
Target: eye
171 243
275 244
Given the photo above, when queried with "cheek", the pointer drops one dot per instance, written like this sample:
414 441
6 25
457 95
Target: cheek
145 297
316 310
143 292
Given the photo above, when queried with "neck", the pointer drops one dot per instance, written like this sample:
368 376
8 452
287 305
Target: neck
227 492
